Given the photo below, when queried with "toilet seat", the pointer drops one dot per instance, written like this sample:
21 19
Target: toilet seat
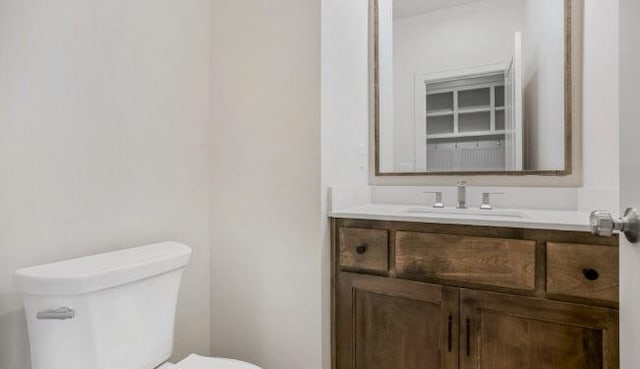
201 362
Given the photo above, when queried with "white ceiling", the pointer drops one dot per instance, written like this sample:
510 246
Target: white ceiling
409 8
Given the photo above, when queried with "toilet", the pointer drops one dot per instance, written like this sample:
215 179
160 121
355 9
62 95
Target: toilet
113 310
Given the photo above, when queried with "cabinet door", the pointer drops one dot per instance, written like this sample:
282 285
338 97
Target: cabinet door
510 332
385 323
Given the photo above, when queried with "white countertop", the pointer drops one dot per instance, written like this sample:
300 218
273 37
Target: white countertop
515 218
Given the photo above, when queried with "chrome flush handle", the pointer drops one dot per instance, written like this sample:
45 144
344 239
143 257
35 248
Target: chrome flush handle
62 313
603 224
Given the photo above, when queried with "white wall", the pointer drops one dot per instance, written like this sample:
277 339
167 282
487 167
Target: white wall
345 113
104 122
600 106
446 40
266 254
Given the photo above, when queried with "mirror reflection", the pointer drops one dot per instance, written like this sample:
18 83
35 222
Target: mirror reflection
470 85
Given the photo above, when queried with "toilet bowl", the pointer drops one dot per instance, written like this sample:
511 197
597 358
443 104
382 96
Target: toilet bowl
202 362
113 310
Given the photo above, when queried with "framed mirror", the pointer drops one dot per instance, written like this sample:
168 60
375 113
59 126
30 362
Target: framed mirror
472 87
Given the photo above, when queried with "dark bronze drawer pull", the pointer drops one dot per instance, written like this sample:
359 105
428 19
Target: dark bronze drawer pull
450 329
468 337
361 249
591 274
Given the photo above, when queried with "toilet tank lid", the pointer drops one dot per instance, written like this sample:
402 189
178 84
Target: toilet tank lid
98 272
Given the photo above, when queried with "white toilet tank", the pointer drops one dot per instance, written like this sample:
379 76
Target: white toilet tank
108 311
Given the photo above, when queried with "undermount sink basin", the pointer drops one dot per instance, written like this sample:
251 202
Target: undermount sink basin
469 212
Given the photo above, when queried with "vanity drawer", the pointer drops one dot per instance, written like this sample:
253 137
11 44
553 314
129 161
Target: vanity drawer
478 260
585 271
364 249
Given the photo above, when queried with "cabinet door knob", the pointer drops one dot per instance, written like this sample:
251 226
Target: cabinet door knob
591 274
361 249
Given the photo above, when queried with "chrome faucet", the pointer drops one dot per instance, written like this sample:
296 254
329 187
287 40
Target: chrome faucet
462 195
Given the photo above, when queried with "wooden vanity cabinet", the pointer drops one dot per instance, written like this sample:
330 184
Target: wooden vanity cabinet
449 297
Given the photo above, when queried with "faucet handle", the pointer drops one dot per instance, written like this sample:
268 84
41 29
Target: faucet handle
486 200
438 204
